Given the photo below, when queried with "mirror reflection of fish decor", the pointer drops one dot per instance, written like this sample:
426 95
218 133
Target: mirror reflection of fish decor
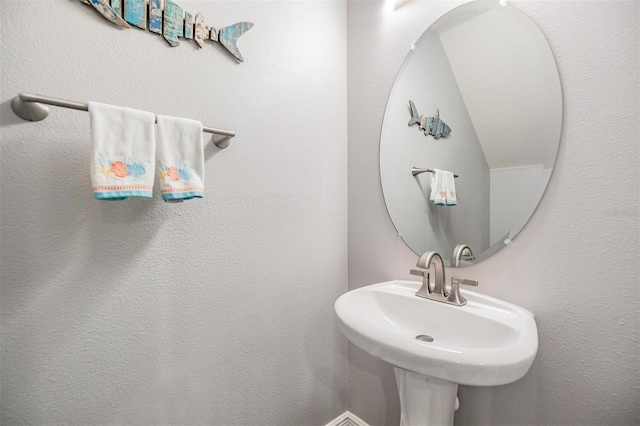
171 21
429 125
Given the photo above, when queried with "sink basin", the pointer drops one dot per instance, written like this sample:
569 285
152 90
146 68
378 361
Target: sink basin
486 342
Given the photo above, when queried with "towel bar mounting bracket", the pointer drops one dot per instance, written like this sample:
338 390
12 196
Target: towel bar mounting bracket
30 111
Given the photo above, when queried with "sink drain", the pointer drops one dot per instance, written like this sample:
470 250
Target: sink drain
424 338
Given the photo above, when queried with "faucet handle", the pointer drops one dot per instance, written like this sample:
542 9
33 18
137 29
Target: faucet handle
464 281
419 272
454 297
424 289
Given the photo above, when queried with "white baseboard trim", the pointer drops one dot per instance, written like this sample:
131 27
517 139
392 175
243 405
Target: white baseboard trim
347 419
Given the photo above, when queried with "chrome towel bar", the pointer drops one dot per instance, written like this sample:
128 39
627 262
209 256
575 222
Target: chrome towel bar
416 171
29 107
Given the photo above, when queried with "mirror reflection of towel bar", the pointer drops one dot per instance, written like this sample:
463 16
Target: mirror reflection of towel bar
416 171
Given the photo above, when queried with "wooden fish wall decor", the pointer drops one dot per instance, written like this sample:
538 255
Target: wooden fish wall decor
171 21
429 125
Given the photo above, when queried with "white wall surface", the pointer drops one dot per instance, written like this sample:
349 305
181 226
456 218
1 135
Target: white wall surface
215 311
574 265
428 80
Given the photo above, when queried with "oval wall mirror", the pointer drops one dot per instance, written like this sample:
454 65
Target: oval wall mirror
487 73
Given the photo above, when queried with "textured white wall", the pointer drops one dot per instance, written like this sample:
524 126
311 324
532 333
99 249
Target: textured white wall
215 311
575 264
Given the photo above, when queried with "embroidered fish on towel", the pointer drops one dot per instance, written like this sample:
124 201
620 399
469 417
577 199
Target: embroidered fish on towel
172 22
121 169
429 125
180 172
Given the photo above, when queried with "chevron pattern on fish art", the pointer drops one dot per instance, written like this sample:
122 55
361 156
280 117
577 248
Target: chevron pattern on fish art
172 22
429 125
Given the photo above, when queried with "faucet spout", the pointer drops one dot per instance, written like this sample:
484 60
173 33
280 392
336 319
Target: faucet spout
424 262
438 292
461 252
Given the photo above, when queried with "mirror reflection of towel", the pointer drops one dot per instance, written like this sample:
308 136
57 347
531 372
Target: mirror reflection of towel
443 188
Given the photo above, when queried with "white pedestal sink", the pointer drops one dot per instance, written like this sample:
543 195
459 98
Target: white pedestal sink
434 346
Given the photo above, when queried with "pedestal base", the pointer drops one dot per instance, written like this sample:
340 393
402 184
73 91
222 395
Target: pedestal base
425 401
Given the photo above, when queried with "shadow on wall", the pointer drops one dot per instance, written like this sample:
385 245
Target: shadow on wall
373 376
60 247
323 371
69 262
480 404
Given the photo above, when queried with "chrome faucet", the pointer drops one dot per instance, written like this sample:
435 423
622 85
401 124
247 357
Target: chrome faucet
438 292
460 253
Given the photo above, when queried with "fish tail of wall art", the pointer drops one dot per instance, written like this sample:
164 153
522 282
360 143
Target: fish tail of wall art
171 21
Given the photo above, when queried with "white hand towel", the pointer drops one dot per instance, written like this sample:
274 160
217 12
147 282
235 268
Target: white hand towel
123 152
443 188
180 158
438 188
452 197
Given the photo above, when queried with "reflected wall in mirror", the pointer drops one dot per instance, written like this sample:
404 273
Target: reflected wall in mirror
490 72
